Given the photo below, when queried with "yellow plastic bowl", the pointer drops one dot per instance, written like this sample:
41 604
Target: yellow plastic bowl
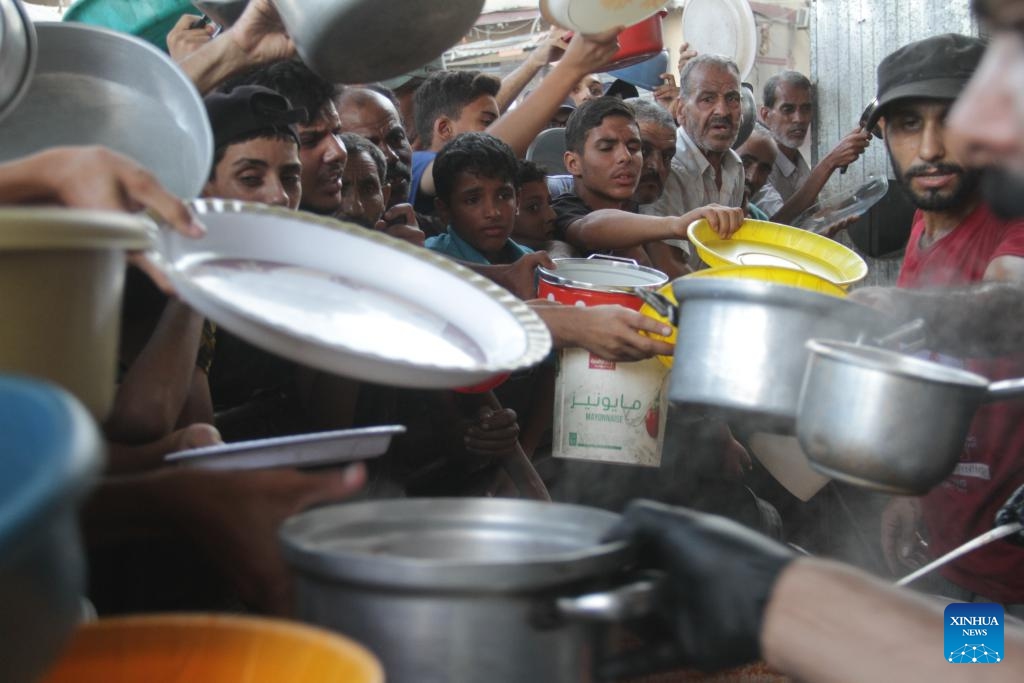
760 243
782 276
211 649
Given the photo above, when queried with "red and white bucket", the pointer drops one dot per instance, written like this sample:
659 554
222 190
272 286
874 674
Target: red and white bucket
598 280
606 412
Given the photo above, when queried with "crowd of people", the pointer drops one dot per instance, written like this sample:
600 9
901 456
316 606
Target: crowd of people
436 159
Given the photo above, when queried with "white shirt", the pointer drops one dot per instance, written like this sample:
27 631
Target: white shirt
691 182
768 199
786 177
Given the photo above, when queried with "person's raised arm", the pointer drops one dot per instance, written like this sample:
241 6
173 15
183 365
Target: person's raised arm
257 38
584 55
550 49
614 229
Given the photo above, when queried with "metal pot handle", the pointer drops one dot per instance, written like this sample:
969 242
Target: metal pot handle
613 258
660 303
903 333
1004 389
632 601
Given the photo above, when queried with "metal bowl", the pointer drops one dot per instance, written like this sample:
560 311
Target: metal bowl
93 86
17 54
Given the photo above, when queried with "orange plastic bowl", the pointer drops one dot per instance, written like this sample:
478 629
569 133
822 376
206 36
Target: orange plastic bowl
211 649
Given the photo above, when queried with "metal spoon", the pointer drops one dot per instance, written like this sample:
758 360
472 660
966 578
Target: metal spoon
986 538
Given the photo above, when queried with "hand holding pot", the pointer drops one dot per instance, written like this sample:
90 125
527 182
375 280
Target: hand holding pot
1013 511
720 579
492 433
183 39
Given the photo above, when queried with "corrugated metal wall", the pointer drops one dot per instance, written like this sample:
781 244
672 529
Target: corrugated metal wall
848 40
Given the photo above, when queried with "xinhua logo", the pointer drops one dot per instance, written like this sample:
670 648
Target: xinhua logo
974 633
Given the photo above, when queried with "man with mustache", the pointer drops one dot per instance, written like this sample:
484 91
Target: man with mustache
787 111
956 240
372 115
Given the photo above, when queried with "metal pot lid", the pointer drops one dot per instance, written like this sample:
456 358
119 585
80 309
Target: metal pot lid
480 544
895 363
347 300
94 86
17 54
34 228
603 274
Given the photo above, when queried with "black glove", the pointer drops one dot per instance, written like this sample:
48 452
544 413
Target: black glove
1013 511
720 576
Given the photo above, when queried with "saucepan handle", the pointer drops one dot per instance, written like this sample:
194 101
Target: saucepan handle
1004 389
632 601
613 258
660 303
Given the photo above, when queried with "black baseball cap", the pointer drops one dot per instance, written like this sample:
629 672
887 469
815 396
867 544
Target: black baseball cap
934 68
248 110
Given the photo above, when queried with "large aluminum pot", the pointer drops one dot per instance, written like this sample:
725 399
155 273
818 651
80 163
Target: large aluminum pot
465 590
888 421
17 53
740 347
332 35
94 86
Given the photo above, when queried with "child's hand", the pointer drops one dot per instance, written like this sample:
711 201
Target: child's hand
493 433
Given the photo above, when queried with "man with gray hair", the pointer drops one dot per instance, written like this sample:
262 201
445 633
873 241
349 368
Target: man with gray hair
705 169
786 111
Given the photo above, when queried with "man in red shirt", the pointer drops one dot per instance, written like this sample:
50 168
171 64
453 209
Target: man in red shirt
956 240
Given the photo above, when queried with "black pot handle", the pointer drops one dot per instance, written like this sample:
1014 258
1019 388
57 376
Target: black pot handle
660 303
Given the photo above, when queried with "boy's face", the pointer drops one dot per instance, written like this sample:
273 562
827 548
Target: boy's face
475 117
265 170
611 160
535 221
481 210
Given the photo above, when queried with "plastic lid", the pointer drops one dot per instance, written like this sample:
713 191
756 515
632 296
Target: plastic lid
58 228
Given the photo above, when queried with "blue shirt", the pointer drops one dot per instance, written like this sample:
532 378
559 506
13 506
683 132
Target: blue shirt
450 244
421 202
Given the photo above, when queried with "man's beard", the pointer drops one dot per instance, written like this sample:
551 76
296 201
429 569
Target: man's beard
932 200
1003 192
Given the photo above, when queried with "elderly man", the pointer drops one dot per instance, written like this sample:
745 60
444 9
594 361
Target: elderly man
758 153
787 111
705 169
956 240
368 113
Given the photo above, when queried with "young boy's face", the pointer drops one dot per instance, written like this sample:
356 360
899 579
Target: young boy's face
535 221
482 211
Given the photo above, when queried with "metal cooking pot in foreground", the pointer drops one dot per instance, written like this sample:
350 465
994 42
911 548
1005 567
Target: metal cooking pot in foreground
465 590
887 421
17 53
740 348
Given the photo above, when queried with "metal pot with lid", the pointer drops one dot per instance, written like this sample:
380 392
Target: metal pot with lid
466 590
17 53
598 279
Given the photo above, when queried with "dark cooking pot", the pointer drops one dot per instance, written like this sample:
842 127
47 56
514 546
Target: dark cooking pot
888 421
740 346
466 590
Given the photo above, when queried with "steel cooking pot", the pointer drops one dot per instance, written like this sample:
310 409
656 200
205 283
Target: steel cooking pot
466 590
17 53
400 34
885 420
740 346
598 279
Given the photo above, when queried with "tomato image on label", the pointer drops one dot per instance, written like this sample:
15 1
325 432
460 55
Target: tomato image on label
651 420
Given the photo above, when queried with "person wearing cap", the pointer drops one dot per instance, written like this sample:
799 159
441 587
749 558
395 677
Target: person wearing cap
956 240
256 147
786 111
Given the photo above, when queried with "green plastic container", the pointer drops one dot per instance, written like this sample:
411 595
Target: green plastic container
150 20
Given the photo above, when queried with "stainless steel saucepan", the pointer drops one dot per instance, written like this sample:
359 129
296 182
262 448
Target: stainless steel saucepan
17 53
885 420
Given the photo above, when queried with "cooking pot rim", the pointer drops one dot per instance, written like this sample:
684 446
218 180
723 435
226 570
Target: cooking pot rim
896 364
307 548
730 290
658 278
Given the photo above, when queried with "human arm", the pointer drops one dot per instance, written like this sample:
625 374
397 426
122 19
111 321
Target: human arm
611 332
614 229
257 38
843 154
158 382
183 39
519 277
551 48
902 544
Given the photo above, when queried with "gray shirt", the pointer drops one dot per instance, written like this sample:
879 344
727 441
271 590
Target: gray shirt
786 177
691 183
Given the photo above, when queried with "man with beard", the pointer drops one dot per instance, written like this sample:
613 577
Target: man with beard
956 240
787 111
372 115
321 150
705 169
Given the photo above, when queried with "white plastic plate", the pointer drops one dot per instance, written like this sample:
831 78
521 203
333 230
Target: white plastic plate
304 450
348 300
722 27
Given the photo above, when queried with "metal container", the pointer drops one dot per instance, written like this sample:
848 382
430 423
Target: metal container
887 421
596 280
17 54
402 35
94 86
740 348
465 590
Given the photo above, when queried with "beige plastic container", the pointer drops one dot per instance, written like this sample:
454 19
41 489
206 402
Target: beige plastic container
61 281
